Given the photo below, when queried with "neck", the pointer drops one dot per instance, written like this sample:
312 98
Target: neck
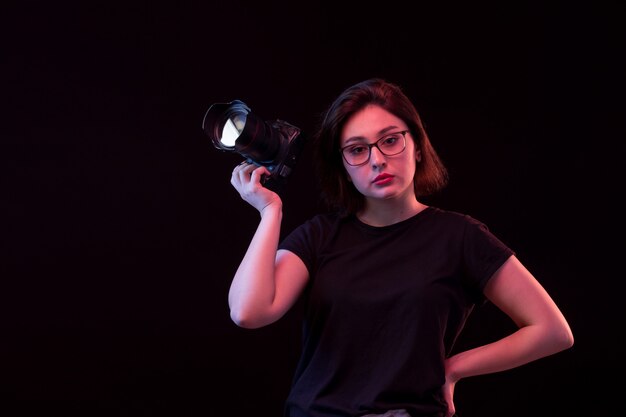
387 212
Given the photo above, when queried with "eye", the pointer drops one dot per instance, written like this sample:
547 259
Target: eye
389 140
356 149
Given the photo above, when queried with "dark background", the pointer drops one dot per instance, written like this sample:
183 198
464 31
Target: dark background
120 231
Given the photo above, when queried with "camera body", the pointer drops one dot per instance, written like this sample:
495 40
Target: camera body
276 144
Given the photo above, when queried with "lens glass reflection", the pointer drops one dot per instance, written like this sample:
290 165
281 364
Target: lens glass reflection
232 129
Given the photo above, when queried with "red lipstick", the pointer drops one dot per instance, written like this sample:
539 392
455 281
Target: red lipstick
383 179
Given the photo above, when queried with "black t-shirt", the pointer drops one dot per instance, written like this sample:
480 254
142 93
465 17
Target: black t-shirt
383 308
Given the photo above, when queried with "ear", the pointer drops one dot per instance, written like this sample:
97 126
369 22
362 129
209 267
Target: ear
418 155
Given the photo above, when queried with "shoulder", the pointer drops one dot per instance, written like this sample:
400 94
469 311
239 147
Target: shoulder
323 222
318 225
456 224
452 217
307 239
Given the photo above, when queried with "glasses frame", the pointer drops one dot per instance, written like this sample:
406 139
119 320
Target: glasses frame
371 145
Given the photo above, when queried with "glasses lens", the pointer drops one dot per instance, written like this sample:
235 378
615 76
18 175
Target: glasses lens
359 154
356 154
392 144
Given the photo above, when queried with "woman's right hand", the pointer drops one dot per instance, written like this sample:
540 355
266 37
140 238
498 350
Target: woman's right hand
247 180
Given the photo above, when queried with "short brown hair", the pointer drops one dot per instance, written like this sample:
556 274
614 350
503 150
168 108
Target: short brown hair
339 193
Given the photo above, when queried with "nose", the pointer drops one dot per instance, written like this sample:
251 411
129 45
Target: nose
376 157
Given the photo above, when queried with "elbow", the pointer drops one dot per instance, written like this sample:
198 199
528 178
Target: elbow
245 320
562 337
250 315
568 339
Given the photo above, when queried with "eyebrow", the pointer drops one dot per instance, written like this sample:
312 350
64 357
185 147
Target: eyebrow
363 138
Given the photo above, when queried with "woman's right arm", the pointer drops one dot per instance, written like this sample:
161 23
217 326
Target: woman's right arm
268 282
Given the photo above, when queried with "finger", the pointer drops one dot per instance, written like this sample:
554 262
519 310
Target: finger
240 166
241 174
258 173
246 170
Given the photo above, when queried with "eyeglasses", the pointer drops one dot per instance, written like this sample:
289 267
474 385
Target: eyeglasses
389 145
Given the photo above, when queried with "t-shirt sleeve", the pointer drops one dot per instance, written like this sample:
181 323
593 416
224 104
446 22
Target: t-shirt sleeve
483 254
303 241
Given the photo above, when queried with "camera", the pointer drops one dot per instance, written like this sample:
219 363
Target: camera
275 144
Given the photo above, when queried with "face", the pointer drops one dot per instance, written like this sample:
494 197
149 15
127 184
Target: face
382 177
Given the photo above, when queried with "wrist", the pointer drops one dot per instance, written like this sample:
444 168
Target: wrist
274 208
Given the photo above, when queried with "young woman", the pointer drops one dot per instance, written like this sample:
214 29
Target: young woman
388 281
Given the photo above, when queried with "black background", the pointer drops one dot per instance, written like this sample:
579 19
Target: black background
120 231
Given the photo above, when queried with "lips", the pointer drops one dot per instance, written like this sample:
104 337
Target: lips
382 179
